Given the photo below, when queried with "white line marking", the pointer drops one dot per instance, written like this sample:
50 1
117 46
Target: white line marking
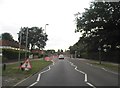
39 75
33 84
86 81
90 85
30 76
85 77
104 69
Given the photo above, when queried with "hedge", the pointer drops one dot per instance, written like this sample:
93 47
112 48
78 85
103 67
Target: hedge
10 54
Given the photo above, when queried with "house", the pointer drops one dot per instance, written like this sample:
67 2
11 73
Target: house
10 44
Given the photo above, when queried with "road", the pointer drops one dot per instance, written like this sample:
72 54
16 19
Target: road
71 72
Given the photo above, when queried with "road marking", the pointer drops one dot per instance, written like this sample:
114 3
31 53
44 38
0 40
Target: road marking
90 85
32 84
39 75
104 69
85 77
86 81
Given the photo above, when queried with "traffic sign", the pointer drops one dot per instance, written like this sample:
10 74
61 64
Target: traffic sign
26 65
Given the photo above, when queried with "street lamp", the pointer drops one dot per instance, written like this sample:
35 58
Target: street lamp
45 27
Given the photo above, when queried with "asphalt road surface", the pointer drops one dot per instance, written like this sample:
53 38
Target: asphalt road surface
71 72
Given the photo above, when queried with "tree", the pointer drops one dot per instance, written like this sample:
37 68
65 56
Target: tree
7 36
36 37
61 51
99 26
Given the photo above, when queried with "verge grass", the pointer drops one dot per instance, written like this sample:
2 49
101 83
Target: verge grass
107 65
13 71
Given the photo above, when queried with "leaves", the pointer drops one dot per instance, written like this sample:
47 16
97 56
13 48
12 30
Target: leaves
36 37
7 36
99 26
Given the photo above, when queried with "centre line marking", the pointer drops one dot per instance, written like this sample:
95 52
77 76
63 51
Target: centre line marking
86 81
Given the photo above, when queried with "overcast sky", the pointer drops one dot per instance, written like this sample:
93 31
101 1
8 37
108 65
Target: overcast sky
59 14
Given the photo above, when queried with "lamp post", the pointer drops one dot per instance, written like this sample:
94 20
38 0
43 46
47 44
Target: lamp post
45 27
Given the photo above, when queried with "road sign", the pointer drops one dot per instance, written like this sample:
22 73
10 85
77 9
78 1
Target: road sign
26 65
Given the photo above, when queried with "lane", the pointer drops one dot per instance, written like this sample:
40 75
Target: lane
62 74
96 76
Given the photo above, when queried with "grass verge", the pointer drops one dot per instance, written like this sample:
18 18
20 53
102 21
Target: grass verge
0 65
15 74
107 65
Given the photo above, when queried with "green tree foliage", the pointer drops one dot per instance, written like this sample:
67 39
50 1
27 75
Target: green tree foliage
50 52
7 40
36 37
60 51
100 26
7 36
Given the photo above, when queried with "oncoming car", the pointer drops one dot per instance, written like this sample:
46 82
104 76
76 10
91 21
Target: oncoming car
61 56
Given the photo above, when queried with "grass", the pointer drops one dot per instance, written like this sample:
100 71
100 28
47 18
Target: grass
1 65
13 71
110 66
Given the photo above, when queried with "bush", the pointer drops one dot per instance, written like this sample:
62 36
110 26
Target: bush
40 55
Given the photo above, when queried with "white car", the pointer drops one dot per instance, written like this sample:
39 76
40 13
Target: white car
0 53
61 56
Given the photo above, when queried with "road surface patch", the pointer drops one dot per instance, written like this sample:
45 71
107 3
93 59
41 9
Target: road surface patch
86 81
39 75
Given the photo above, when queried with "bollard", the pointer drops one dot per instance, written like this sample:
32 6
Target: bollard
4 67
21 65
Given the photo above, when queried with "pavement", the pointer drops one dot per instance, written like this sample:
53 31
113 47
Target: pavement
71 72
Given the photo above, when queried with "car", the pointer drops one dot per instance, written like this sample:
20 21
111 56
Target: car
0 53
61 56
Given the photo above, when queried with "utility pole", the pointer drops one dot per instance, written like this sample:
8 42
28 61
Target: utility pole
26 44
20 35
